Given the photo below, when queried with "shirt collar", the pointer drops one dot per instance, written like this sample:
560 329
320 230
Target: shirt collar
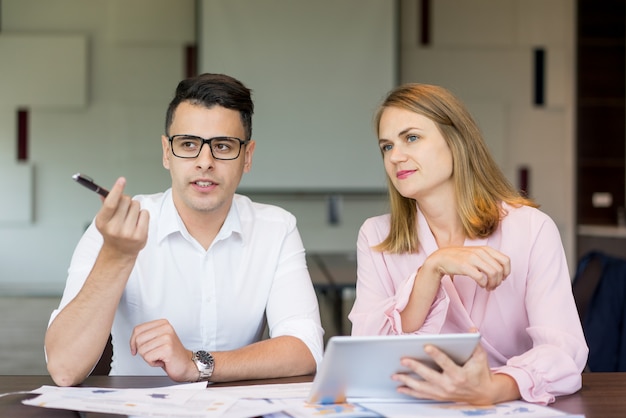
232 223
169 221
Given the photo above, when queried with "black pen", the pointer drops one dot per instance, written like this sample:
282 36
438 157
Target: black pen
88 183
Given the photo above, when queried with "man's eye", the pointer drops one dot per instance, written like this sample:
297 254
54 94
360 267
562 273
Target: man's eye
222 146
189 144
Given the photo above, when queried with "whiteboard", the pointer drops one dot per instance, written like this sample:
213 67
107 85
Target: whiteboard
318 70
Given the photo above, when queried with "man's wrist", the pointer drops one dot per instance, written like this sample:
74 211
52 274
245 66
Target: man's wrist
204 363
113 254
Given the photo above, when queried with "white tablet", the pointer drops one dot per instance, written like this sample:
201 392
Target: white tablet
358 367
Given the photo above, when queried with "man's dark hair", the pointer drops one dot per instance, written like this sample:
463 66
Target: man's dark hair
209 90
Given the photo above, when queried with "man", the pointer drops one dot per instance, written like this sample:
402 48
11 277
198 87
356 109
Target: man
185 280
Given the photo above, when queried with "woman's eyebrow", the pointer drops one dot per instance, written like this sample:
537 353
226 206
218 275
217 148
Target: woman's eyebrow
409 129
403 132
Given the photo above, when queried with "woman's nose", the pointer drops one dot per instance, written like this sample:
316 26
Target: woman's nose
397 154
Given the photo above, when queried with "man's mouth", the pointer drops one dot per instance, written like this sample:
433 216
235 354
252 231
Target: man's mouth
203 183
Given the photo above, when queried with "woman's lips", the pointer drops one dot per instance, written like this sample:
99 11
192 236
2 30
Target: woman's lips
402 174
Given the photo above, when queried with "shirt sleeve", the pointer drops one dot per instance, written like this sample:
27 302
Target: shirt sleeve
82 262
292 307
554 364
83 259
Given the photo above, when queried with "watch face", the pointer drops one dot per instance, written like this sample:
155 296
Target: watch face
204 357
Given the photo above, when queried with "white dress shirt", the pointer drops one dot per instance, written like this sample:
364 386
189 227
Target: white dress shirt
217 299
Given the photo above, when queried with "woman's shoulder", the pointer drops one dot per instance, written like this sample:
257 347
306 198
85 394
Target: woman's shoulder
523 215
377 222
374 230
522 210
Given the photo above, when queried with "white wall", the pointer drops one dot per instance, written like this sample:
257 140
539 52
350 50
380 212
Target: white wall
135 59
317 78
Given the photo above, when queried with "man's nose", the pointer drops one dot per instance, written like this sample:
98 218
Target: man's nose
205 157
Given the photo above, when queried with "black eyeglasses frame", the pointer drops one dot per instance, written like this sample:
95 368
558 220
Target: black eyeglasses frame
208 142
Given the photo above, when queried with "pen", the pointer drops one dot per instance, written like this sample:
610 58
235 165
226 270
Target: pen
88 183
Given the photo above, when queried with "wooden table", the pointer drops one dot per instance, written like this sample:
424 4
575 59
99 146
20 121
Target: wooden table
603 394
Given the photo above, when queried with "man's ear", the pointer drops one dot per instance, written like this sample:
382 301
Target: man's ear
165 143
247 165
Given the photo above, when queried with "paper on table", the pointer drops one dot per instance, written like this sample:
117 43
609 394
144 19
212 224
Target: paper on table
271 391
287 400
191 400
291 400
412 409
274 401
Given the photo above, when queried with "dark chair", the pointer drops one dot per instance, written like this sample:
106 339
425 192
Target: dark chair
103 367
599 289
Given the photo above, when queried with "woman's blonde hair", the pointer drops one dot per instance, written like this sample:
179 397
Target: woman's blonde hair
479 183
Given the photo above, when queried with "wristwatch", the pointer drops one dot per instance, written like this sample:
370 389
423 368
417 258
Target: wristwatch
205 364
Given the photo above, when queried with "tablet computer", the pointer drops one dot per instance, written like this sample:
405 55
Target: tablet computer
361 367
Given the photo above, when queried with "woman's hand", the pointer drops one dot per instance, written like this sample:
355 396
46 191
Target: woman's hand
486 266
472 383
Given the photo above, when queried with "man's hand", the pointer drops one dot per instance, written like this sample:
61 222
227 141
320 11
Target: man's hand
472 383
158 344
122 222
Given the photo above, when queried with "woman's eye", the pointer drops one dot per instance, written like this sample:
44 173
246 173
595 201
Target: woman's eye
386 147
412 138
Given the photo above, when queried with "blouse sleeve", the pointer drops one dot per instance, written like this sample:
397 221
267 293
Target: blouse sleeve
554 364
381 294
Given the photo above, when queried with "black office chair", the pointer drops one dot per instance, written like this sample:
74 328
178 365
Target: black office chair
599 289
103 367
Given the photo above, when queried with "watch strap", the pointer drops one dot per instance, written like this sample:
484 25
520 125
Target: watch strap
205 363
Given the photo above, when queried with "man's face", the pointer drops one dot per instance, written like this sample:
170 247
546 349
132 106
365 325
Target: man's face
204 184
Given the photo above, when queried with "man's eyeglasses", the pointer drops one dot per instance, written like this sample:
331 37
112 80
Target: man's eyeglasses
222 147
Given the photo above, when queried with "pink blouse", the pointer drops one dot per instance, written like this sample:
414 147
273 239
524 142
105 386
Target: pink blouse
529 324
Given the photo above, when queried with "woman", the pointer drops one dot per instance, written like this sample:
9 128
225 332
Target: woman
462 251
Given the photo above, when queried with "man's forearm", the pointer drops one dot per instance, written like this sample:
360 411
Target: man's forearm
77 336
276 357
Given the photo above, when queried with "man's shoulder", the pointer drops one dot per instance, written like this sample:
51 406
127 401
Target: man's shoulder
250 210
152 201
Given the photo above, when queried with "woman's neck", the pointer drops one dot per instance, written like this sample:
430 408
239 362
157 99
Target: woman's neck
444 223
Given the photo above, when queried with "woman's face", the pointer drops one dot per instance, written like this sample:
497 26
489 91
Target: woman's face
417 158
